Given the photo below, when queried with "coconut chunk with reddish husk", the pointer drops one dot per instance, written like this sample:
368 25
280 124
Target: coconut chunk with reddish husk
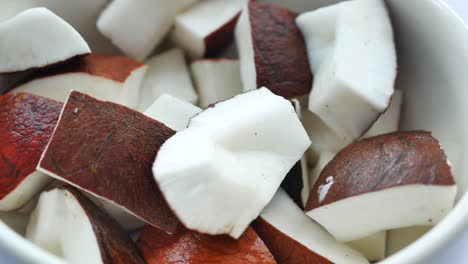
137 27
172 112
216 79
26 125
187 246
390 181
353 58
114 151
229 161
373 247
389 121
293 238
272 51
36 38
106 77
69 225
207 28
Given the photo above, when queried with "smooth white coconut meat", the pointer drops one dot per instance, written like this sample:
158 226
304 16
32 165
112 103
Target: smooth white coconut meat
397 239
207 27
389 121
137 27
167 74
36 38
324 158
372 247
292 236
173 112
219 173
352 55
216 79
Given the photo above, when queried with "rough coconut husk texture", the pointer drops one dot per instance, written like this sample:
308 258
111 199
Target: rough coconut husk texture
293 185
109 149
279 50
285 249
381 162
219 39
115 244
26 125
189 247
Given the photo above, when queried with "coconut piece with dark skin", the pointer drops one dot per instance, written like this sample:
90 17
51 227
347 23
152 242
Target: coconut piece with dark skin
26 125
272 50
384 182
114 148
187 246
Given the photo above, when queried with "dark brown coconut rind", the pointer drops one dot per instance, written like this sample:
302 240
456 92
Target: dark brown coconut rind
280 52
293 184
219 39
189 247
26 125
381 162
115 245
285 249
108 149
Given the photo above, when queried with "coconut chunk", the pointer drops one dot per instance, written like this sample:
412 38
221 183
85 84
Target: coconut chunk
352 55
216 79
385 182
272 51
229 161
389 121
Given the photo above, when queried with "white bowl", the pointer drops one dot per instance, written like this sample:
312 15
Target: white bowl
433 60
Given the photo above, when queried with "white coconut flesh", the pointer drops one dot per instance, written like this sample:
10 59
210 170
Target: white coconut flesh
194 26
397 239
352 55
324 158
229 162
373 247
389 121
245 49
47 40
172 112
216 80
137 27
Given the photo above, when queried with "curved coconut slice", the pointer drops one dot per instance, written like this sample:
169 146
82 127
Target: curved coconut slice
107 77
70 226
353 58
389 121
137 27
47 40
115 147
167 74
385 182
293 238
216 79
272 51
187 246
373 247
172 112
229 161
27 122
207 28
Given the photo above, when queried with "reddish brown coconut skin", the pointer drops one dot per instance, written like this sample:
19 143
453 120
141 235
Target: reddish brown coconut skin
219 39
188 247
293 185
108 149
285 249
26 125
115 244
381 162
279 50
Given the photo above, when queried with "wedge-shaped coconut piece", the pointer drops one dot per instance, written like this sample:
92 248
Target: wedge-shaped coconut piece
137 27
26 125
187 246
373 247
167 74
69 225
107 77
292 237
114 151
207 28
385 182
36 38
272 51
229 162
216 79
389 121
353 58
172 112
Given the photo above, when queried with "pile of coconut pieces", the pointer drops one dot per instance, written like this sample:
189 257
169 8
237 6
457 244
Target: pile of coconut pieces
289 153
